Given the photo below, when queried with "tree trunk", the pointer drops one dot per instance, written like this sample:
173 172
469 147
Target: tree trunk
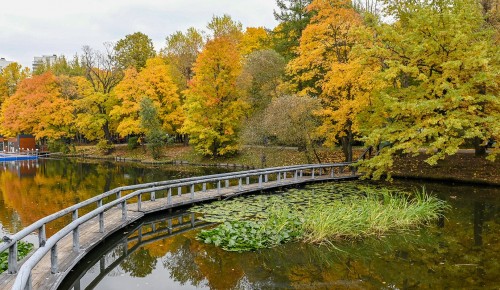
107 133
479 150
347 143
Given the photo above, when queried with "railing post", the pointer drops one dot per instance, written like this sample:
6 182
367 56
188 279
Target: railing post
192 191
42 236
13 259
119 194
301 173
239 184
278 179
312 176
218 186
204 187
101 217
139 202
332 173
76 233
153 195
169 196
248 180
227 183
124 210
53 259
266 178
320 171
169 226
295 175
179 191
260 180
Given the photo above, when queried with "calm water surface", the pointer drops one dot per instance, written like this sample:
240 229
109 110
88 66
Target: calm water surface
459 252
32 189
161 252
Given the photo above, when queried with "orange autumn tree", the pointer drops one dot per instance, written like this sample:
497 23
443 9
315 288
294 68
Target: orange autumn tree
38 107
327 67
154 82
214 105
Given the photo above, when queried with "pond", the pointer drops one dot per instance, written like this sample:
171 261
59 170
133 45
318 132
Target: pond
32 189
461 251
161 252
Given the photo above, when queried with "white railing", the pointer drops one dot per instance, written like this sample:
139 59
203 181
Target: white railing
274 176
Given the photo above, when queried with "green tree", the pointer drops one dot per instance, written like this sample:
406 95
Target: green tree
441 70
293 18
214 105
134 50
263 71
181 52
151 125
62 66
225 26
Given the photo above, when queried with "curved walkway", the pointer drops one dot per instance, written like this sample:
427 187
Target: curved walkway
56 256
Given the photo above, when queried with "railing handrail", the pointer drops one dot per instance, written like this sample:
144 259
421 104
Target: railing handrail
24 272
10 240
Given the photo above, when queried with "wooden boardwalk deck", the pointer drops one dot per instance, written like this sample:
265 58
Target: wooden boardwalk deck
96 229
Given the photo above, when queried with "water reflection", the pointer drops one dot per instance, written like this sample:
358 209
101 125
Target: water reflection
30 190
130 252
444 256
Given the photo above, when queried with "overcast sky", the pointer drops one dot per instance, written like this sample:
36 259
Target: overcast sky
31 28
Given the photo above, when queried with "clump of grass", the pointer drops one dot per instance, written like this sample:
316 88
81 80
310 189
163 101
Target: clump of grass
372 214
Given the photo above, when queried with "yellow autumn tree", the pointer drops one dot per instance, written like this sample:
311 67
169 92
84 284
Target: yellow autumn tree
253 39
327 67
154 82
214 106
441 69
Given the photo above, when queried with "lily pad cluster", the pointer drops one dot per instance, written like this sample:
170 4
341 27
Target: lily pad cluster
23 249
254 235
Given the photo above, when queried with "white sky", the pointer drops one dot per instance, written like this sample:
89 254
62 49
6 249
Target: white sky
31 28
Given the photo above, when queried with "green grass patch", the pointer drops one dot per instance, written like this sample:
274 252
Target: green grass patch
23 249
317 214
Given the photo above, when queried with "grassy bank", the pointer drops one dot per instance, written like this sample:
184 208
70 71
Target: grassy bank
251 156
461 167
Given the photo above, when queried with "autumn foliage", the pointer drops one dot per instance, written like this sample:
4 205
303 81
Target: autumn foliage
404 77
214 105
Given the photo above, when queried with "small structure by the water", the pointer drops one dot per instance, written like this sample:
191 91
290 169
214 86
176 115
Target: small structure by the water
19 144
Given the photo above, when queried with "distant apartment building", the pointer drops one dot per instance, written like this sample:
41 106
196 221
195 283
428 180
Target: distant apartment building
44 59
4 62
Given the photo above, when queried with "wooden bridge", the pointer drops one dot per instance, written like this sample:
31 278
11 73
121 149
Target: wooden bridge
120 247
117 208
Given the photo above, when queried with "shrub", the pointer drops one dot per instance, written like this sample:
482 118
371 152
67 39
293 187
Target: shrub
133 142
105 146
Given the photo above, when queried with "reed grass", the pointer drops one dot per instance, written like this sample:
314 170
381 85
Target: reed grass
370 214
